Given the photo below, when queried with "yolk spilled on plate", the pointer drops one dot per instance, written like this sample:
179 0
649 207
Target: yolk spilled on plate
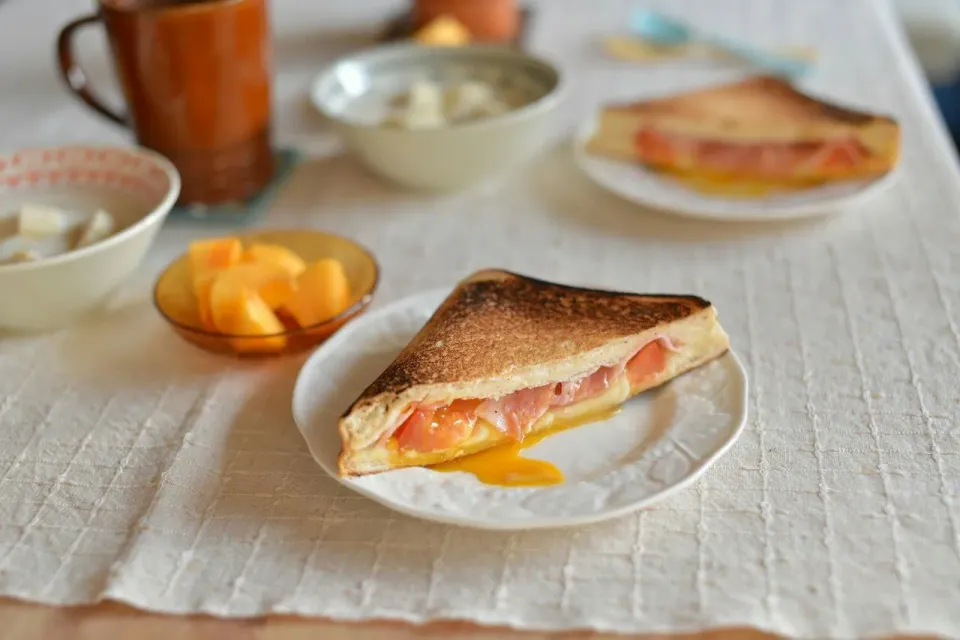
735 187
504 465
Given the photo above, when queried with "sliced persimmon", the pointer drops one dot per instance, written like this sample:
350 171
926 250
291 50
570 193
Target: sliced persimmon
240 311
323 291
276 255
270 282
216 253
202 286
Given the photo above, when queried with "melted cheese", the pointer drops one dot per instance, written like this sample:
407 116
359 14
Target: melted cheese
504 465
731 187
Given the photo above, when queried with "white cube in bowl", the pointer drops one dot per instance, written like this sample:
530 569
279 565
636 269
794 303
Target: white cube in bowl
355 94
136 187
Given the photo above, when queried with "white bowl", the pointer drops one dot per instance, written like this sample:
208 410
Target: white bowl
137 187
354 94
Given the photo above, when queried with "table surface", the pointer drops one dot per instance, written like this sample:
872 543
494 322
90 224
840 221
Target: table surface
780 522
36 622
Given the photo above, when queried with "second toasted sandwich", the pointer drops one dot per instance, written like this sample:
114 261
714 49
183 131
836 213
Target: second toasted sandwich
760 129
506 355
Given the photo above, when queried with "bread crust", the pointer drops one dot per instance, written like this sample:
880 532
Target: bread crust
497 322
499 332
756 110
759 91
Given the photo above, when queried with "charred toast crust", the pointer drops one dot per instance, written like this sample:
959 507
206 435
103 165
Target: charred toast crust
496 322
812 106
816 106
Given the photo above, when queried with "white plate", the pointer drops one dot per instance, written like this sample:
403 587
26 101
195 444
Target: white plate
643 186
662 440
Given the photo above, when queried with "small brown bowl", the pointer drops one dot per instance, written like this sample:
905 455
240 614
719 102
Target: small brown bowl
174 298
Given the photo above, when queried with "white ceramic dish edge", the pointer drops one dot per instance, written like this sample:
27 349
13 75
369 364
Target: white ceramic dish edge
505 525
636 184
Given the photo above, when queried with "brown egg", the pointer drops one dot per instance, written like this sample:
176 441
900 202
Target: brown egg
487 20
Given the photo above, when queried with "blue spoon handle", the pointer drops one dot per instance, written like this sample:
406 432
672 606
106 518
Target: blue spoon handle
772 63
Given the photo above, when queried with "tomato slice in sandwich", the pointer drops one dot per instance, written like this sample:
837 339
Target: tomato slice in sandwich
438 428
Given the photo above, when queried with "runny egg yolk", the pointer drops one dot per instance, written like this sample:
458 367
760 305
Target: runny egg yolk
504 465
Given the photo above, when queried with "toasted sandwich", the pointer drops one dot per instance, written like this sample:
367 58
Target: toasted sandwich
506 355
759 129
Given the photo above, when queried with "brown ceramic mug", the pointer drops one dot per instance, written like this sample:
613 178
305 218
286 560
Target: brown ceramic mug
196 78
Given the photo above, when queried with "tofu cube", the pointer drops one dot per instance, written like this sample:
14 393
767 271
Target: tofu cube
38 221
98 227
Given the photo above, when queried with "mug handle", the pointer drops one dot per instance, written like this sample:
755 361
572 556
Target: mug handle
72 73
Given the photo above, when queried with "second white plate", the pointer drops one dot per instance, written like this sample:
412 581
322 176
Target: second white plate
662 440
645 187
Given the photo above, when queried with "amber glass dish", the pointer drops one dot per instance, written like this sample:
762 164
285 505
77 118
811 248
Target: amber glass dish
174 299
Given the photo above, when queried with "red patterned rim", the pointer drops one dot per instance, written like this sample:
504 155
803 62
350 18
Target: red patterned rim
131 170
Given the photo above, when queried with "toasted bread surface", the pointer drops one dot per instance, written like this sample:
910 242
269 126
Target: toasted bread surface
496 322
759 109
761 97
499 332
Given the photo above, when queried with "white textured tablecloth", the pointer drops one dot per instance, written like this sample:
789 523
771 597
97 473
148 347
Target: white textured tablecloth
133 466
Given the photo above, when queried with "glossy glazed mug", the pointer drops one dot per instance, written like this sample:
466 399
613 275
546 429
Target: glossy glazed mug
196 76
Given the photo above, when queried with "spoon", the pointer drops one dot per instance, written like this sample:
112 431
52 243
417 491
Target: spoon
665 31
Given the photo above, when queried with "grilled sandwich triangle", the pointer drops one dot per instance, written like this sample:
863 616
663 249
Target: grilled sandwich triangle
760 128
506 354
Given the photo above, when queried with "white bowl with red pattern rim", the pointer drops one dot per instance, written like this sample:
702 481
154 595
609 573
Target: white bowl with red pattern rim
135 186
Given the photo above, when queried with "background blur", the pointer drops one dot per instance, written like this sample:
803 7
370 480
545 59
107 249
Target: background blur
933 27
